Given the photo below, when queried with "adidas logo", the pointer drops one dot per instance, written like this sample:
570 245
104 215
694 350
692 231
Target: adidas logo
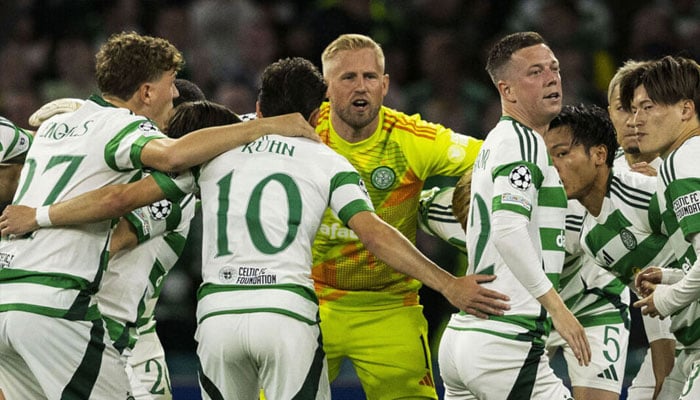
609 373
427 380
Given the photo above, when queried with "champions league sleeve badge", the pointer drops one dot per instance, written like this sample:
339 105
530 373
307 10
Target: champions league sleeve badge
520 177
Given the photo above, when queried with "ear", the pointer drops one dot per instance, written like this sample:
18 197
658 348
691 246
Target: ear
600 154
258 114
385 85
688 110
313 117
144 93
506 91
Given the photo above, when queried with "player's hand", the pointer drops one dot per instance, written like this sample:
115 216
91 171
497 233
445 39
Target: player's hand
645 281
572 331
467 294
648 307
18 220
288 125
643 168
58 106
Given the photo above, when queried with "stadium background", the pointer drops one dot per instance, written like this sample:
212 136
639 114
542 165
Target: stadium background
435 52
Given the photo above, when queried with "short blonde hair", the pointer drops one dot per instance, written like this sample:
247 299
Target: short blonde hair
351 41
461 198
626 68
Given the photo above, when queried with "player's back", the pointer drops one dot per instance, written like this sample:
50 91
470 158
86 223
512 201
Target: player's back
262 204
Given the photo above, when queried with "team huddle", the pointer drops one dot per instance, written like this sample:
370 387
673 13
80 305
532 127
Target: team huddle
310 210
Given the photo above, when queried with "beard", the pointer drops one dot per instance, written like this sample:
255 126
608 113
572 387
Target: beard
358 120
632 150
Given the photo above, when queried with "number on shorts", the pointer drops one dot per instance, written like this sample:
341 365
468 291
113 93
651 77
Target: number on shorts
607 339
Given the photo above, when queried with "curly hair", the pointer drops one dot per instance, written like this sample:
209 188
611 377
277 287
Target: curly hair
129 59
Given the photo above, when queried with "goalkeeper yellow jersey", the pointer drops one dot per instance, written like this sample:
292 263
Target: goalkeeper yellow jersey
394 163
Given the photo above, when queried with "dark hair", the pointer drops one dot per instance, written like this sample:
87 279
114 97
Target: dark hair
501 52
667 81
188 90
192 115
291 85
127 60
590 126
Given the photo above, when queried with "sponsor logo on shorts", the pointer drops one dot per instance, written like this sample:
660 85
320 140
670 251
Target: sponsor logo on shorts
227 274
383 177
6 259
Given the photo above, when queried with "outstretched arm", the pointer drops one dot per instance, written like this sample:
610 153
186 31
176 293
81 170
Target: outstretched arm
204 144
389 245
107 202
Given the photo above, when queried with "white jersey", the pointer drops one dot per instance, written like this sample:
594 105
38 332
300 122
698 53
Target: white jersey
435 217
13 140
134 278
620 162
261 205
678 187
627 235
55 271
594 295
514 172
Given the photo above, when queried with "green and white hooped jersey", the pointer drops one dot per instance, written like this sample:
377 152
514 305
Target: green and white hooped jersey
134 278
679 199
435 217
627 236
13 140
55 271
261 205
514 172
594 295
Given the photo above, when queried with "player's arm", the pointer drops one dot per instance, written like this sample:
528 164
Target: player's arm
662 346
204 144
9 178
105 203
664 300
513 243
389 245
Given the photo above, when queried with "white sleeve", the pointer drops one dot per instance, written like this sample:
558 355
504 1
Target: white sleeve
671 298
657 328
513 242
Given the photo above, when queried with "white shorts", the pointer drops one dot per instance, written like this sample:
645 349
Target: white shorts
608 357
479 365
241 353
683 383
44 357
147 364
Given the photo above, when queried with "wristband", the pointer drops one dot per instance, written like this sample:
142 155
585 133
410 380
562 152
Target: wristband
42 217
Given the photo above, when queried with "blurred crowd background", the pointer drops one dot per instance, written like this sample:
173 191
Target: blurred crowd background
435 56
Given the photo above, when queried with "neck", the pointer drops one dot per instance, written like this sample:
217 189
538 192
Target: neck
694 130
595 194
538 126
633 158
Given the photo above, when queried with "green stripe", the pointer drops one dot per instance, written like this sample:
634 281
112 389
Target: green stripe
211 288
110 152
274 310
553 196
51 279
209 387
525 382
83 380
176 242
309 389
552 239
90 315
169 187
353 208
